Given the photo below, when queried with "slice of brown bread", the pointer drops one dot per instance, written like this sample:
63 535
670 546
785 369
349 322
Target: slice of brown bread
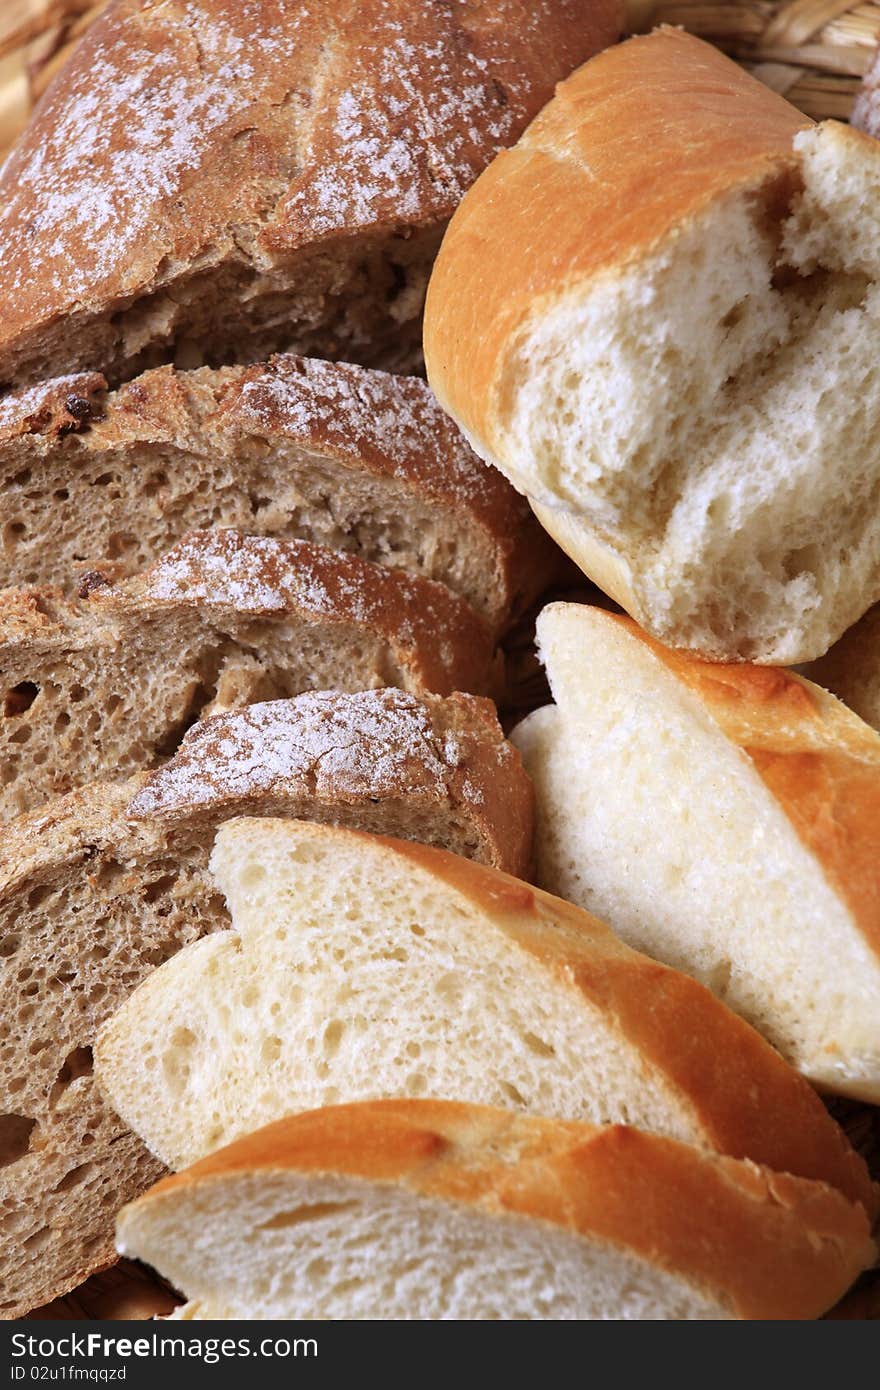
223 179
104 884
106 683
354 459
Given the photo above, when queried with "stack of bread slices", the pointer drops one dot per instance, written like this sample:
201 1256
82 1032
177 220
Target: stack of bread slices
426 1022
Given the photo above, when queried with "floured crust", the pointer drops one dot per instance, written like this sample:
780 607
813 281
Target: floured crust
763 1244
366 425
434 635
123 870
343 750
106 683
181 140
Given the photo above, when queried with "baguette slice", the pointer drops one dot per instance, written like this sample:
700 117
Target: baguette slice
220 180
99 887
105 684
361 967
851 670
428 1209
669 219
725 820
353 459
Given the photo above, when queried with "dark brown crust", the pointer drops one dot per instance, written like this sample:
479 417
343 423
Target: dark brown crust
763 1245
481 793
366 424
436 637
221 134
343 751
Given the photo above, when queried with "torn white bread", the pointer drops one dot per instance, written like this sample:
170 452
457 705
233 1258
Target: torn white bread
429 1210
671 348
724 819
361 967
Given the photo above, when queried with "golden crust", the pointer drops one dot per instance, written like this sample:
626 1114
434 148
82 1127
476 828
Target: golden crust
764 1245
584 194
744 1099
818 760
219 135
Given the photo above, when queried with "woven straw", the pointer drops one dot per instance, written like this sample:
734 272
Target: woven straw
36 37
814 52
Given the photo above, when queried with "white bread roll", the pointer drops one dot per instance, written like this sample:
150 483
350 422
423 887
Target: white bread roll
362 967
434 1210
724 819
658 315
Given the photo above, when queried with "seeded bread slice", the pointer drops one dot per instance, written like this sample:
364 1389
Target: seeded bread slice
105 684
101 886
357 460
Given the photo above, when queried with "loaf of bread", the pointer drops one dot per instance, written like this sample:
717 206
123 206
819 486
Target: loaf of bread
360 967
429 1209
100 886
104 684
724 819
222 180
658 315
353 459
851 670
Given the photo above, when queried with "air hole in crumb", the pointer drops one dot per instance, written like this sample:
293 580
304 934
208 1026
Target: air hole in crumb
513 1094
20 698
300 1216
77 1063
15 1137
75 1176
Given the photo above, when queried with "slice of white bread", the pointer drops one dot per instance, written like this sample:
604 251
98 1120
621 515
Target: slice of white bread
362 967
354 459
429 1209
105 684
221 179
851 670
657 315
724 819
100 886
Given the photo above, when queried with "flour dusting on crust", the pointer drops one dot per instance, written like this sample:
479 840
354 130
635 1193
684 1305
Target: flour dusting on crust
375 743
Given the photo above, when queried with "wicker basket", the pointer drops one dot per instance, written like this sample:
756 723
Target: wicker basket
36 37
814 52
